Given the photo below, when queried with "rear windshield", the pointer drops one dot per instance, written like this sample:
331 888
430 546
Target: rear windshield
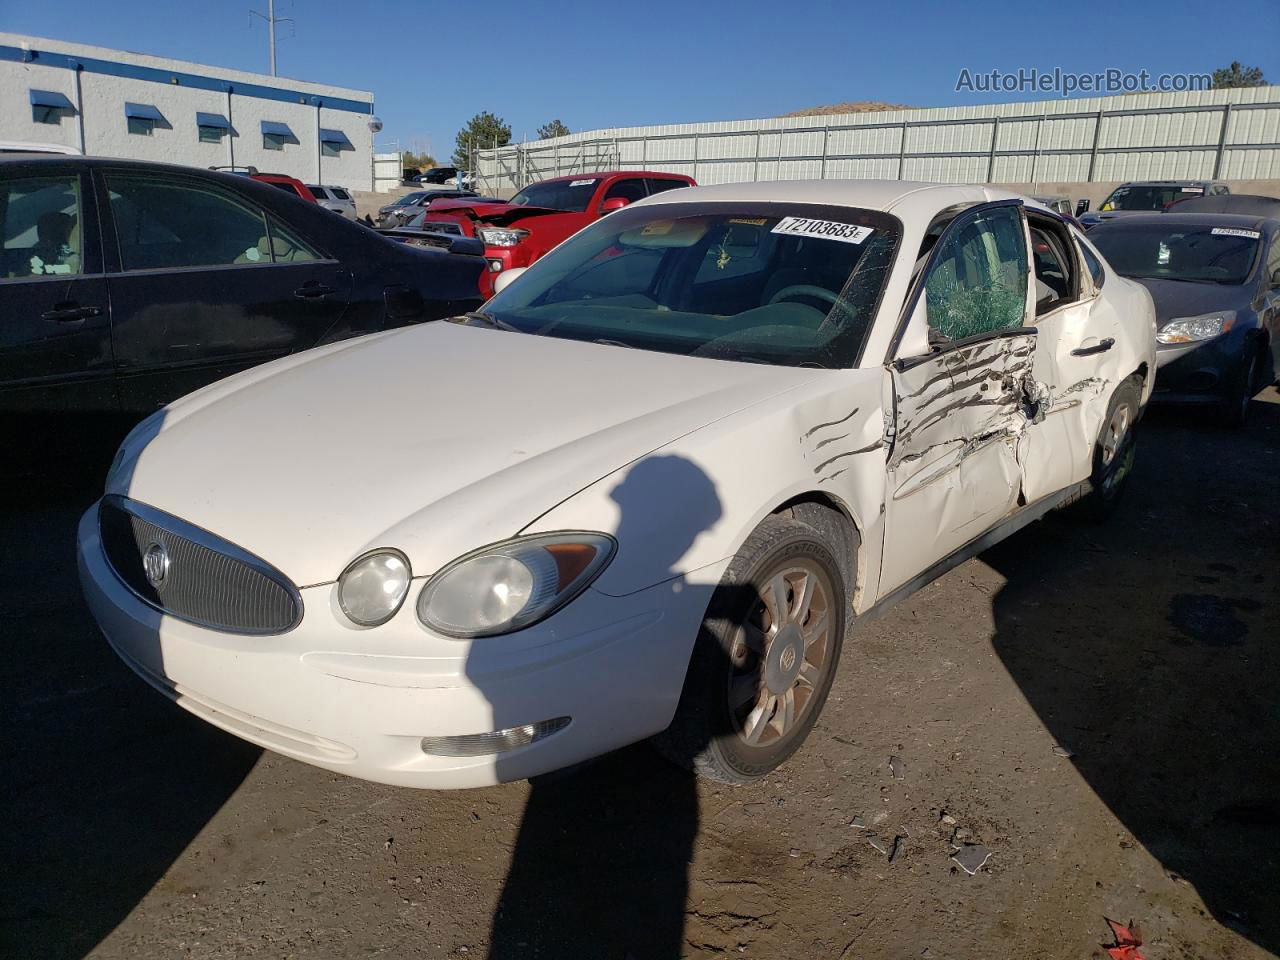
284 185
1202 254
340 193
410 198
1151 197
794 285
318 193
569 195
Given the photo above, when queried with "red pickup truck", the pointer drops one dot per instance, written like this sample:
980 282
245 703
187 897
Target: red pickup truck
518 232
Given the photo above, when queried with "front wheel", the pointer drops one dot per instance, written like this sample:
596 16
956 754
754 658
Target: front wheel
765 657
1235 408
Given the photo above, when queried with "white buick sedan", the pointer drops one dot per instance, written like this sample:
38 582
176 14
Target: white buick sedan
645 493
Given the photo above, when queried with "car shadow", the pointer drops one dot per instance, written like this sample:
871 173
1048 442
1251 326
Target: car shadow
105 782
600 865
1146 645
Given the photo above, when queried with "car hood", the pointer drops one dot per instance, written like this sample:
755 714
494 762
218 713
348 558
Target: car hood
499 214
435 439
1177 298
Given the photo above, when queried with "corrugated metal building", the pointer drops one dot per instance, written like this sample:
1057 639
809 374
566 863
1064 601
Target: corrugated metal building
112 103
1226 134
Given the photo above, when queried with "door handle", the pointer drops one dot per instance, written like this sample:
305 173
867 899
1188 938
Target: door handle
70 313
311 290
1102 346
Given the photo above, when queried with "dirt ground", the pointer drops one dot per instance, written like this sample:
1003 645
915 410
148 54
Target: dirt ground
1097 706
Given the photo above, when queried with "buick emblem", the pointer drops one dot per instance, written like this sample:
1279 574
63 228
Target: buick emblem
155 563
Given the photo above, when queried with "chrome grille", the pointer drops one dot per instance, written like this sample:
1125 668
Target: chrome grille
189 573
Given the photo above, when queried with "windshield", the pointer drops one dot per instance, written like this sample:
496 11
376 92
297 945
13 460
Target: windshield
1149 197
1206 254
795 285
569 195
410 198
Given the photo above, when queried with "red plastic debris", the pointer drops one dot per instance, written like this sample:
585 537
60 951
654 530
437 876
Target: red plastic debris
1128 940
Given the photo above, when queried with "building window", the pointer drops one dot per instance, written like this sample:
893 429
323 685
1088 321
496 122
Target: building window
49 106
276 135
143 118
212 127
333 142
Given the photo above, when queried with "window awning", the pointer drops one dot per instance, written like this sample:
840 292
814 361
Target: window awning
212 120
51 98
143 111
336 137
277 129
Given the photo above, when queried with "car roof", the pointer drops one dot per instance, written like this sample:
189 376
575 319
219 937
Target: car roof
906 197
1245 203
1163 183
1238 220
601 174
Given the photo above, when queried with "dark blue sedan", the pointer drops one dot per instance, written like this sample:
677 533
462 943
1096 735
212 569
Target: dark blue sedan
1215 280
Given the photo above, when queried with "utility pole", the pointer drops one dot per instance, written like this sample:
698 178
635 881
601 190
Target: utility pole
272 20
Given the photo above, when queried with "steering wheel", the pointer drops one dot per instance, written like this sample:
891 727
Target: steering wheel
805 290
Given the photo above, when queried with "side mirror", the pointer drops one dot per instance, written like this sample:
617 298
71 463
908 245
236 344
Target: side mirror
1082 206
915 339
612 204
504 279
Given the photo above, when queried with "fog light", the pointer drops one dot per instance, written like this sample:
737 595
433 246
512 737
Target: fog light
495 266
487 744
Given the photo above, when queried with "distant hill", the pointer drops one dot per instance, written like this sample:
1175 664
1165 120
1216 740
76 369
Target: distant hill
853 106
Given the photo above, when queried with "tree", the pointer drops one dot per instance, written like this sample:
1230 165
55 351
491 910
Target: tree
553 129
1237 76
483 131
423 161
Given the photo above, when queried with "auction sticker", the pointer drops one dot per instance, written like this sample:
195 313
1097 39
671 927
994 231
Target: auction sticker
581 183
825 229
1234 232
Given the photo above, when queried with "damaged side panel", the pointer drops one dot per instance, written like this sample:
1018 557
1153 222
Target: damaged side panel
954 469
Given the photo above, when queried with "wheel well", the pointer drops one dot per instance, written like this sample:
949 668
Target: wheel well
830 516
1142 371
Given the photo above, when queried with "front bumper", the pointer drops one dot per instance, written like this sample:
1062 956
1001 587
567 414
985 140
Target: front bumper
1204 372
359 701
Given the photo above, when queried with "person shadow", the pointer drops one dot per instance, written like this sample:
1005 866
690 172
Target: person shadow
105 782
1160 676
600 865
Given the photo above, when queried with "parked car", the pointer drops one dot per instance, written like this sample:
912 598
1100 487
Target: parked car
394 214
410 175
1249 204
644 490
1215 280
1055 202
125 285
438 175
335 199
516 233
1146 196
281 181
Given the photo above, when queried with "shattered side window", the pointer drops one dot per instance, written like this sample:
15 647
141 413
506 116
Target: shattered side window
977 282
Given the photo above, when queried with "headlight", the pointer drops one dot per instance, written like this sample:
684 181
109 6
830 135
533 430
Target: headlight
501 236
1191 329
372 588
512 585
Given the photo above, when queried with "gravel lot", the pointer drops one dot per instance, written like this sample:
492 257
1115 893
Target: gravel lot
1096 706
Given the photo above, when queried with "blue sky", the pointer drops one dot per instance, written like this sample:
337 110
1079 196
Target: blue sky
598 65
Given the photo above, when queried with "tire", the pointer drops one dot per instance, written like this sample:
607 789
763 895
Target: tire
1114 450
756 683
1235 408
